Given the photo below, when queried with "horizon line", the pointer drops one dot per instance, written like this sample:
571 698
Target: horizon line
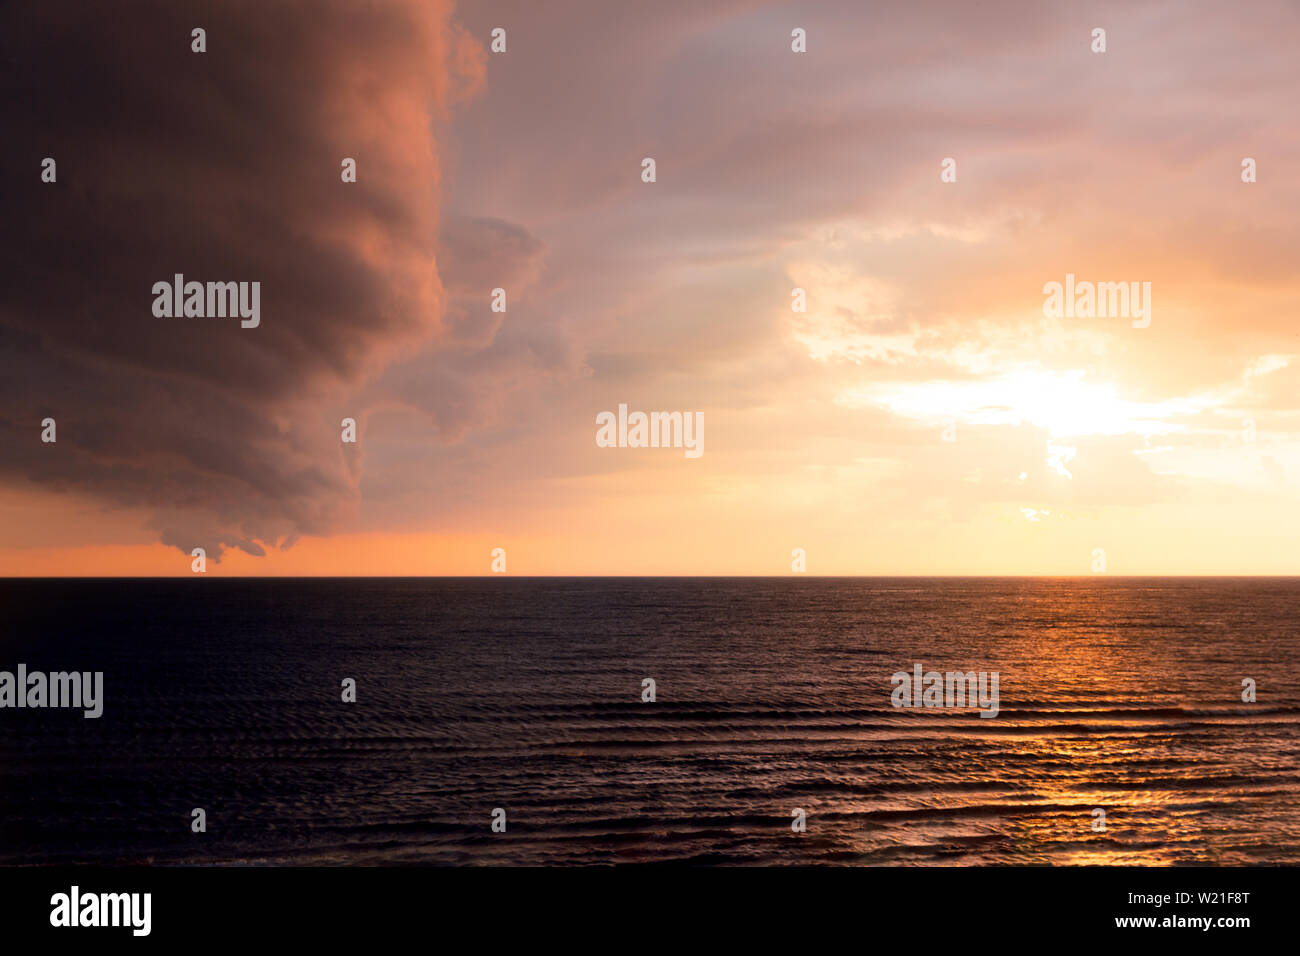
599 577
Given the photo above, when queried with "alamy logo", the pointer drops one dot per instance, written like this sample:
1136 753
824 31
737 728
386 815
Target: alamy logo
213 300
954 689
102 909
58 689
1103 300
656 430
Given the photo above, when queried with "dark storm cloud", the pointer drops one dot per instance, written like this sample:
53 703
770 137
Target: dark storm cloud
223 166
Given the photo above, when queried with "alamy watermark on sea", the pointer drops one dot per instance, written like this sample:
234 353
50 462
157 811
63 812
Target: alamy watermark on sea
36 690
923 688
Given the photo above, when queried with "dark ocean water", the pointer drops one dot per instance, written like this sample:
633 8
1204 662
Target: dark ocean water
772 694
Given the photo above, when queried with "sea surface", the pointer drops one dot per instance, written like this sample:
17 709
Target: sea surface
772 695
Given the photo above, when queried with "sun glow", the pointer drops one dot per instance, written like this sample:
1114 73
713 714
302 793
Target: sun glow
1062 403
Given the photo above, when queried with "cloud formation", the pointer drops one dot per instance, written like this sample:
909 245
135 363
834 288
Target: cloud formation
1176 446
224 166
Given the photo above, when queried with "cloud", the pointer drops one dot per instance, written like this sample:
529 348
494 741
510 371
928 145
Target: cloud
775 169
223 166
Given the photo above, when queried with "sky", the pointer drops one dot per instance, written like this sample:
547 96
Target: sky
923 415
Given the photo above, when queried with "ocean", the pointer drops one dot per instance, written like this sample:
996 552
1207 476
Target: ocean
772 696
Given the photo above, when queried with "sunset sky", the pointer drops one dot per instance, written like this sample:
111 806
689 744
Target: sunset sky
1175 448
